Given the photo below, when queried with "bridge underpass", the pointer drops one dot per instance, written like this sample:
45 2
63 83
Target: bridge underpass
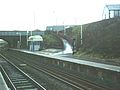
15 37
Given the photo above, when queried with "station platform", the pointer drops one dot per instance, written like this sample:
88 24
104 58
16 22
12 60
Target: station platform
3 85
60 55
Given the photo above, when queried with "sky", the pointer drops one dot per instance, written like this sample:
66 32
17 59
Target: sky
37 14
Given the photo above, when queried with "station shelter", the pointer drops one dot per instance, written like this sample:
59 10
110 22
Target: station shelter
35 42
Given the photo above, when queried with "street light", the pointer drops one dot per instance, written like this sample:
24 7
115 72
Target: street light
81 36
19 38
27 37
73 45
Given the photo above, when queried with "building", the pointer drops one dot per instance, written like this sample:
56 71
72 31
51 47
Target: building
35 42
58 27
111 11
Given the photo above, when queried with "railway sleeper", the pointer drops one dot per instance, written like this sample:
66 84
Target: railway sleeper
26 87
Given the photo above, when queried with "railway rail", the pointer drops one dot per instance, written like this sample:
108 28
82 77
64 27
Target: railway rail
16 78
65 77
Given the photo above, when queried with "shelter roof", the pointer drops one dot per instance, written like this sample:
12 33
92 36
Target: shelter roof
35 38
2 41
113 7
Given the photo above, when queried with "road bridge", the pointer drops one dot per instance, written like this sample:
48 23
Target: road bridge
14 37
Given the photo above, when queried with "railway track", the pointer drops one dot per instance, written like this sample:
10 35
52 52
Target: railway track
70 79
16 78
67 78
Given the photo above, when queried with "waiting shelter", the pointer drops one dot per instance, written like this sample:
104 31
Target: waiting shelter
35 42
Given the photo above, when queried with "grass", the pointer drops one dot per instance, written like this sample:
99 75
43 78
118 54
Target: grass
101 41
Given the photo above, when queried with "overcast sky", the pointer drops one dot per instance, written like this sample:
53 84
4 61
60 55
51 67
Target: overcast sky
37 14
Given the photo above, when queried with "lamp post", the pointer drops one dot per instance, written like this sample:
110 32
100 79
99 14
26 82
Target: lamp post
73 45
27 37
81 36
19 38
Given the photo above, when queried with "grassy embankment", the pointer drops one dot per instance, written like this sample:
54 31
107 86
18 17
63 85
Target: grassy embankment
52 41
100 39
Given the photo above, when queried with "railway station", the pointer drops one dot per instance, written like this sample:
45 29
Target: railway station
102 76
26 64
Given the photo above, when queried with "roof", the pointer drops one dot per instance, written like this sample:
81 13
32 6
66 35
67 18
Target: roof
55 28
113 7
35 38
2 41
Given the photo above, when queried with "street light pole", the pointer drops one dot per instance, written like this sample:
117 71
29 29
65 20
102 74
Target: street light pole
64 31
19 38
81 36
27 37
